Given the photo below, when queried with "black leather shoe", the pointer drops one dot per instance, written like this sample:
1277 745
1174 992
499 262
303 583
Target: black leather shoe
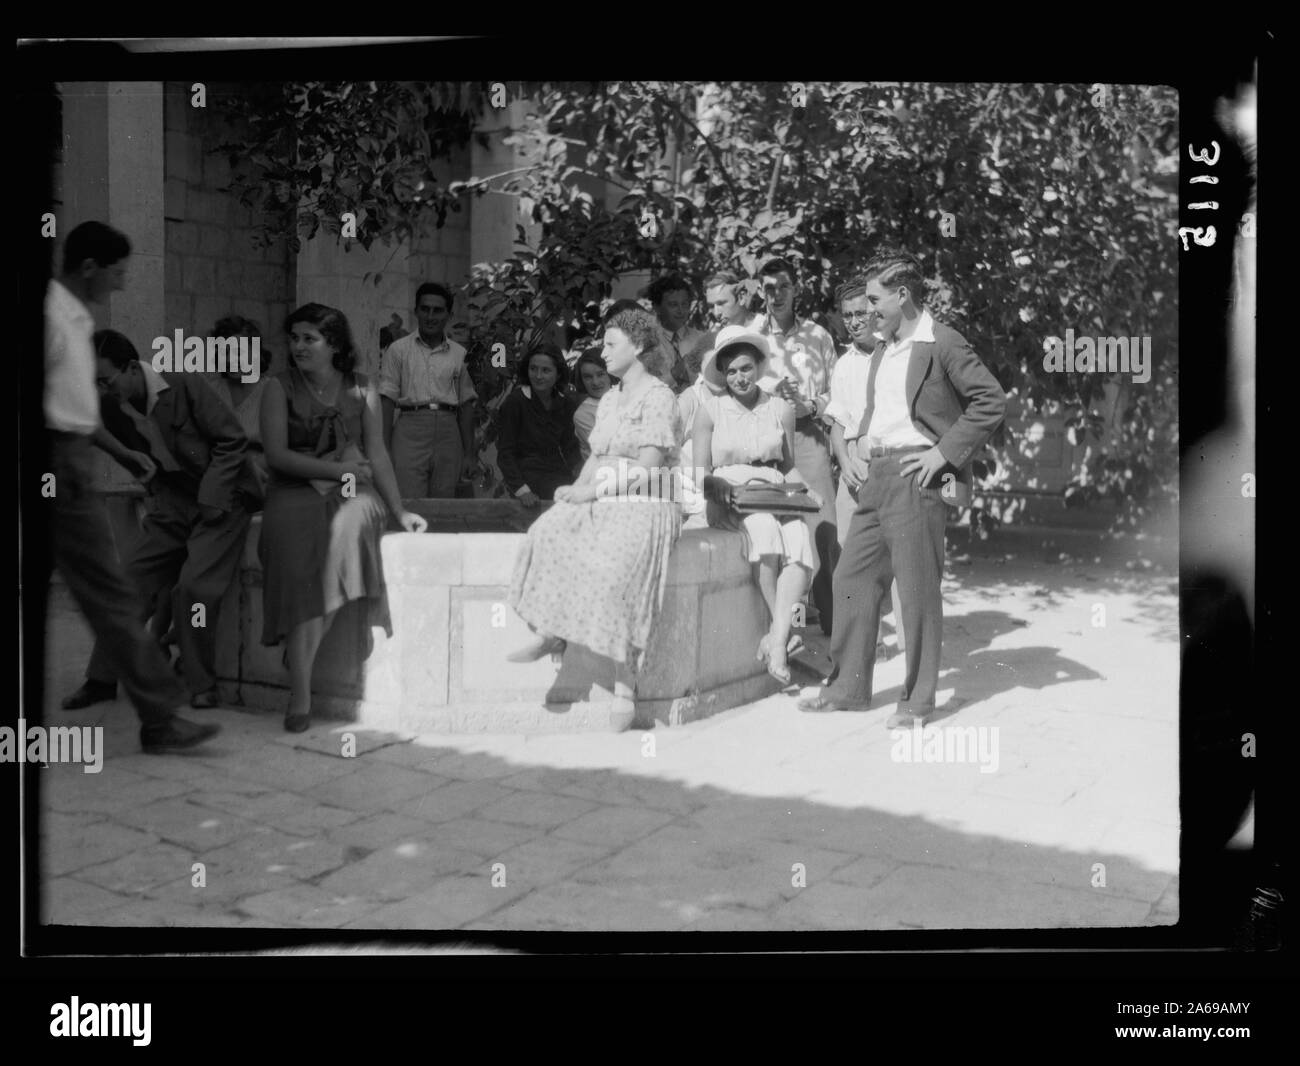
820 704
205 701
179 734
297 723
89 694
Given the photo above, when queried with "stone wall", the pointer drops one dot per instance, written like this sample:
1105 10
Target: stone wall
444 669
212 266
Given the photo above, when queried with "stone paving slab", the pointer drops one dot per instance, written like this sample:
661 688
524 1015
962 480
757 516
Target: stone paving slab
450 904
306 906
758 818
535 809
363 791
394 873
929 897
140 868
482 837
73 847
574 906
715 868
547 859
374 831
181 821
456 800
288 812
69 901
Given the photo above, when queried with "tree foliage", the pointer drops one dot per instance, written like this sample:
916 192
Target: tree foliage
1035 208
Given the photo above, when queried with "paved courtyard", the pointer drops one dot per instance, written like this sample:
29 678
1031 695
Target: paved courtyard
1064 814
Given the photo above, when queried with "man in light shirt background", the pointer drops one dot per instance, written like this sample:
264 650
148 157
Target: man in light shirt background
799 371
424 382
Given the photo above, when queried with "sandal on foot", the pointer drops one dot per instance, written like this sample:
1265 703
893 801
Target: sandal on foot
539 649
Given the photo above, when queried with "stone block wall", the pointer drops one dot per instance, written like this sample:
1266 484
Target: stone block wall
444 669
212 266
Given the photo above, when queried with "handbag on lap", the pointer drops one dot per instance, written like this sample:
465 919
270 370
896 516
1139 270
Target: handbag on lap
764 497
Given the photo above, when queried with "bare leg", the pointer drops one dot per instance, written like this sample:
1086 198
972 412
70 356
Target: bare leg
790 588
765 577
304 641
624 697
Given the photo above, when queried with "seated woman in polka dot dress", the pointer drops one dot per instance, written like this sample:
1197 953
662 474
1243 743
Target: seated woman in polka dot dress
594 567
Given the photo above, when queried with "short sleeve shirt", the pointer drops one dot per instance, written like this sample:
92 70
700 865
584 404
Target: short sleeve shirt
651 421
415 373
805 354
71 399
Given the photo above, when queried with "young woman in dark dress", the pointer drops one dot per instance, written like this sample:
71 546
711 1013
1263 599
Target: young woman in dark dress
537 448
331 491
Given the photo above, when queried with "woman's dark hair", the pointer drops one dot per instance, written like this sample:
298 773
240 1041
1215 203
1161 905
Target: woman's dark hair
731 351
333 326
555 356
239 326
589 357
115 347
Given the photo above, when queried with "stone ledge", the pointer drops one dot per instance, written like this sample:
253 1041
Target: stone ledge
444 669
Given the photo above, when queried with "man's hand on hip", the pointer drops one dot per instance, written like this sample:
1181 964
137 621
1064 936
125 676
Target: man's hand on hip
925 465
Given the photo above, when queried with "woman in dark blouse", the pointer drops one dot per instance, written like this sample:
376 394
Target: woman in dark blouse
537 449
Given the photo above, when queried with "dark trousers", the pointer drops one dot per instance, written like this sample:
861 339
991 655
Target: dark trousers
812 460
896 532
83 552
197 560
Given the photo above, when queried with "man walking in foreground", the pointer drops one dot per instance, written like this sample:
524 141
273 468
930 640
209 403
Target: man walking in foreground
94 267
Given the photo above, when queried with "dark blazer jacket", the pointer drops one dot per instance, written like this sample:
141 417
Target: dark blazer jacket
956 402
204 436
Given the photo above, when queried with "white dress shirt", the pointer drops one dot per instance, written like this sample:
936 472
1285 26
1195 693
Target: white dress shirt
71 399
891 421
849 390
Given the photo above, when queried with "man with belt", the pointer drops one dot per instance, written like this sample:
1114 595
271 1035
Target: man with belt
802 359
848 401
930 405
424 379
197 511
94 267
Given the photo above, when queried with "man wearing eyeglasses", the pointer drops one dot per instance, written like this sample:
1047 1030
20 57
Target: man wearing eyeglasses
197 513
